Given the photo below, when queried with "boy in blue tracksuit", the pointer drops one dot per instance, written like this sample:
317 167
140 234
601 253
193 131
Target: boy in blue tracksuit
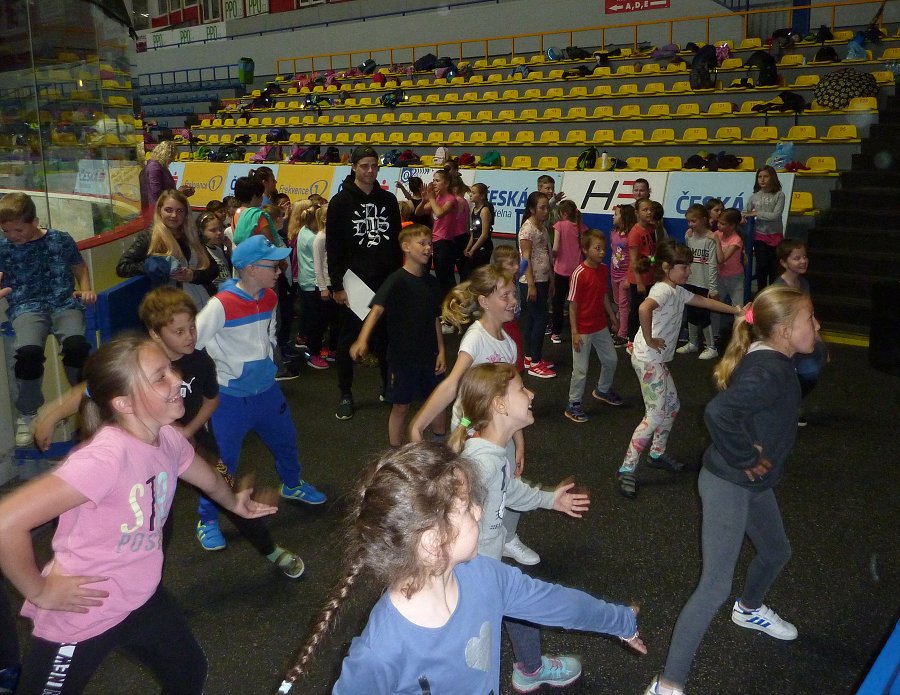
237 329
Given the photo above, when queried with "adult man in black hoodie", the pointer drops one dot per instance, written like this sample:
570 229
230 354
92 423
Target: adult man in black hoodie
363 224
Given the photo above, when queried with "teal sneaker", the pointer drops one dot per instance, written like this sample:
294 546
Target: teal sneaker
304 492
555 672
210 535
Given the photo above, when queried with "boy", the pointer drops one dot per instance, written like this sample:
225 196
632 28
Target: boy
589 308
704 281
546 184
41 267
411 300
230 329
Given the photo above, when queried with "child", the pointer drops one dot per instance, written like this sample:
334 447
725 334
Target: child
209 225
237 329
704 275
249 219
41 268
791 254
441 204
534 284
101 590
641 249
490 295
414 195
506 258
266 177
715 207
328 317
623 220
231 206
496 405
730 258
480 246
654 346
766 206
310 298
406 213
546 184
436 628
589 308
751 424
461 235
411 300
566 257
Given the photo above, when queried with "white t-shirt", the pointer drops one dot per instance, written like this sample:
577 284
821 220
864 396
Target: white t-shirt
666 322
484 348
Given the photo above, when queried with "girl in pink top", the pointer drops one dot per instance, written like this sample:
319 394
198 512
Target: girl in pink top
624 219
441 204
463 223
566 257
101 590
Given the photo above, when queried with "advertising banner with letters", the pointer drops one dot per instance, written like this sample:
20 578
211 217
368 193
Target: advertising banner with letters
300 182
508 192
208 180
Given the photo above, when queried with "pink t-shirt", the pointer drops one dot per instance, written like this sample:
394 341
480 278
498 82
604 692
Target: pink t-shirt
117 533
444 228
463 217
734 265
620 260
568 253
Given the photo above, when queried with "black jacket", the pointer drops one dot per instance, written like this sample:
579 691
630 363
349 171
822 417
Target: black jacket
760 406
361 235
131 262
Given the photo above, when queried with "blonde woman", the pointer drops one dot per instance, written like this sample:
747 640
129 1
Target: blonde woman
155 177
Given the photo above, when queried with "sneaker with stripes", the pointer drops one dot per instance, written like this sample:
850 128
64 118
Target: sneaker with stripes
763 619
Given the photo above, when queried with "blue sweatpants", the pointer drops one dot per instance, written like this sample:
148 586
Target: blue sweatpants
268 415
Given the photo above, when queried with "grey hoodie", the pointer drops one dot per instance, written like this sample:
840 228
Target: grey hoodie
501 490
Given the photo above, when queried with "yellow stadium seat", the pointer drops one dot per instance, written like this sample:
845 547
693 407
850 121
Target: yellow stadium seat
498 63
463 116
662 136
687 110
863 104
377 138
229 123
510 95
724 42
427 160
443 117
553 114
668 163
820 165
479 64
576 113
601 71
802 203
805 82
628 89
652 88
625 70
415 138
451 97
629 111
213 139
637 164
456 137
425 117
478 138
522 161
343 138
517 60
555 93
658 111
890 54
731 64
184 156
524 137
603 136
790 60
205 123
327 138
528 115
750 44
433 99
500 137
693 135
539 58
747 107
549 137
296 138
578 93
680 87
631 136
435 137
728 133
601 113
720 108
763 133
601 91
800 133
747 164
650 69
841 36
395 138
532 95
677 67
884 78
505 116
555 75
571 164
548 163
490 96
485 116
575 137
388 118
844 132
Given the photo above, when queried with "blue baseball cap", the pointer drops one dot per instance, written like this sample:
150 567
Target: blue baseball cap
257 248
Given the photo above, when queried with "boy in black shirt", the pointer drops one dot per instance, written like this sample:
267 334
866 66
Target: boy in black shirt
411 300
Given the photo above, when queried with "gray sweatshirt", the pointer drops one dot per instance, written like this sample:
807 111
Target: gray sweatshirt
501 490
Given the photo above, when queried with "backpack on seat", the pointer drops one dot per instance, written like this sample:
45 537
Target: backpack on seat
426 63
587 159
553 54
703 68
491 158
767 66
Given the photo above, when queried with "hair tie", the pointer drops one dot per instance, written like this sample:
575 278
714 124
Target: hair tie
465 422
652 259
87 393
748 316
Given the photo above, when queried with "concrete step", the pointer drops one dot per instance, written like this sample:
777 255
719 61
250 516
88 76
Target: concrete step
859 262
851 238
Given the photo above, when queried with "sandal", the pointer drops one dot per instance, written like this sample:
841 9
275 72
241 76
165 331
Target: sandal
290 564
628 485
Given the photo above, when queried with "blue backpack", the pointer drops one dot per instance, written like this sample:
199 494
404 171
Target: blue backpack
553 54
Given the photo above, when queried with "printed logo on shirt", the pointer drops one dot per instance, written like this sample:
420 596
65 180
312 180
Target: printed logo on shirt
145 533
186 387
370 225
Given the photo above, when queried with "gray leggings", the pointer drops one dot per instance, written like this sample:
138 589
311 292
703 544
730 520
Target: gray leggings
729 512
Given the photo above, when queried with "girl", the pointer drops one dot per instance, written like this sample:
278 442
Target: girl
436 628
490 295
752 426
217 245
535 288
266 177
654 346
311 325
705 282
714 207
328 317
462 232
101 590
496 405
172 236
641 249
730 257
441 204
766 206
414 195
480 247
623 220
566 257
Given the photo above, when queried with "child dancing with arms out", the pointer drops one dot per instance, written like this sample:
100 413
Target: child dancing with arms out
414 527
589 309
496 405
752 423
101 590
654 347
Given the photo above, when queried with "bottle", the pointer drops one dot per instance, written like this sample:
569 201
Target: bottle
604 161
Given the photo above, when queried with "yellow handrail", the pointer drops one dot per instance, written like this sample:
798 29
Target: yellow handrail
514 42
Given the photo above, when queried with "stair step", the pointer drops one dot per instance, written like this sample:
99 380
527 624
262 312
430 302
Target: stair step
861 262
874 145
866 161
842 284
850 239
865 177
885 199
859 217
844 311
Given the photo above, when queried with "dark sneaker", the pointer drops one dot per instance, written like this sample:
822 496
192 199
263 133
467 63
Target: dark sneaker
575 413
609 397
627 484
287 372
619 342
304 492
9 679
345 408
665 463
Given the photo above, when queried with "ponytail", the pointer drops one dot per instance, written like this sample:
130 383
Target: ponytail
461 303
741 340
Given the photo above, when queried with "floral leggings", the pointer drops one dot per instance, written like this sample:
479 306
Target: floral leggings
661 403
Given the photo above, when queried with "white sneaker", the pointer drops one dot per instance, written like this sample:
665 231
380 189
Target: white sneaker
687 349
654 689
520 552
709 353
23 431
765 620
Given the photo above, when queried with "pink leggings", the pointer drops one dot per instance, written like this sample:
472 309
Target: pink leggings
621 298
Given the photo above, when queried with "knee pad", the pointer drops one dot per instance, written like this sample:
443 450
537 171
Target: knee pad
75 351
29 363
